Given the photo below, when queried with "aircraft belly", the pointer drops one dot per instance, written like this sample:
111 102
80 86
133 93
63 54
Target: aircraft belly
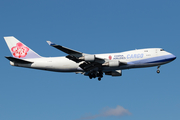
65 67
58 64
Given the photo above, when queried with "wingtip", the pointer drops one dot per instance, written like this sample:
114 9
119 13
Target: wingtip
50 43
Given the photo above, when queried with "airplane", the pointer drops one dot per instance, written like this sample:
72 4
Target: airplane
92 65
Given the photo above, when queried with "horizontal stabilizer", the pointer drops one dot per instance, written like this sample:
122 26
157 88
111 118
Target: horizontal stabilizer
18 60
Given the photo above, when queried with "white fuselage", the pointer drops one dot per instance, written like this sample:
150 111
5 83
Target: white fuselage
134 59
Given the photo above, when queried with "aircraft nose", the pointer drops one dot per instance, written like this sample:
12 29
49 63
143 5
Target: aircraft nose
173 57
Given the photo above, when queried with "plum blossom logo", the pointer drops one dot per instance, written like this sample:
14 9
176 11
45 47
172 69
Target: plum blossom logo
110 57
19 50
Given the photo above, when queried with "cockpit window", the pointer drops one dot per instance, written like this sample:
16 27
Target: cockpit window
161 49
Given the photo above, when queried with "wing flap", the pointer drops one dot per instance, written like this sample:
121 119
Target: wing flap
73 58
88 66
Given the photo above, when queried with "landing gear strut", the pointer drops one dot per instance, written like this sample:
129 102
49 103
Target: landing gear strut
158 71
100 75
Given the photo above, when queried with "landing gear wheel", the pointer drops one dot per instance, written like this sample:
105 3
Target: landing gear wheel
158 71
99 79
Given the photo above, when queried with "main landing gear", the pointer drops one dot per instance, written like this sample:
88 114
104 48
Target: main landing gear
158 71
95 74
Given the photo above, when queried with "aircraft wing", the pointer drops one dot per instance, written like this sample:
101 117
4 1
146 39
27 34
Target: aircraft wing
89 62
64 49
72 54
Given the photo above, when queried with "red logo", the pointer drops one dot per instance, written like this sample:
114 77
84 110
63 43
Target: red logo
110 57
19 50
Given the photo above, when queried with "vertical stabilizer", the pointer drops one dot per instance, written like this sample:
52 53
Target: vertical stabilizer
20 50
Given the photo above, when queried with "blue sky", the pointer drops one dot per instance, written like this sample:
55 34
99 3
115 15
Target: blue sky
90 26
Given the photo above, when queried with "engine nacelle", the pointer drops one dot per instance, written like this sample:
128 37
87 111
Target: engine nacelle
114 63
114 73
88 58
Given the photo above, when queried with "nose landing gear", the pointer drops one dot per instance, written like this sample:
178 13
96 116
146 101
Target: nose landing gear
158 71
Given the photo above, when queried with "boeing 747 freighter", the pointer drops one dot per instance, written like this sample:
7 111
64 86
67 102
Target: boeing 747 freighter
92 65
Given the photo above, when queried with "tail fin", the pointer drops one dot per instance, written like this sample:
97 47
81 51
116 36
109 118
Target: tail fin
20 50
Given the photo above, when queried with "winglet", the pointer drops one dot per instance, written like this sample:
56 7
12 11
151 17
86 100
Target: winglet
50 43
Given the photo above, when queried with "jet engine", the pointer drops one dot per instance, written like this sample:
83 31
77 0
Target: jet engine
88 58
114 63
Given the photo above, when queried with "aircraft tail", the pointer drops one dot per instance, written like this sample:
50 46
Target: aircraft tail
20 50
